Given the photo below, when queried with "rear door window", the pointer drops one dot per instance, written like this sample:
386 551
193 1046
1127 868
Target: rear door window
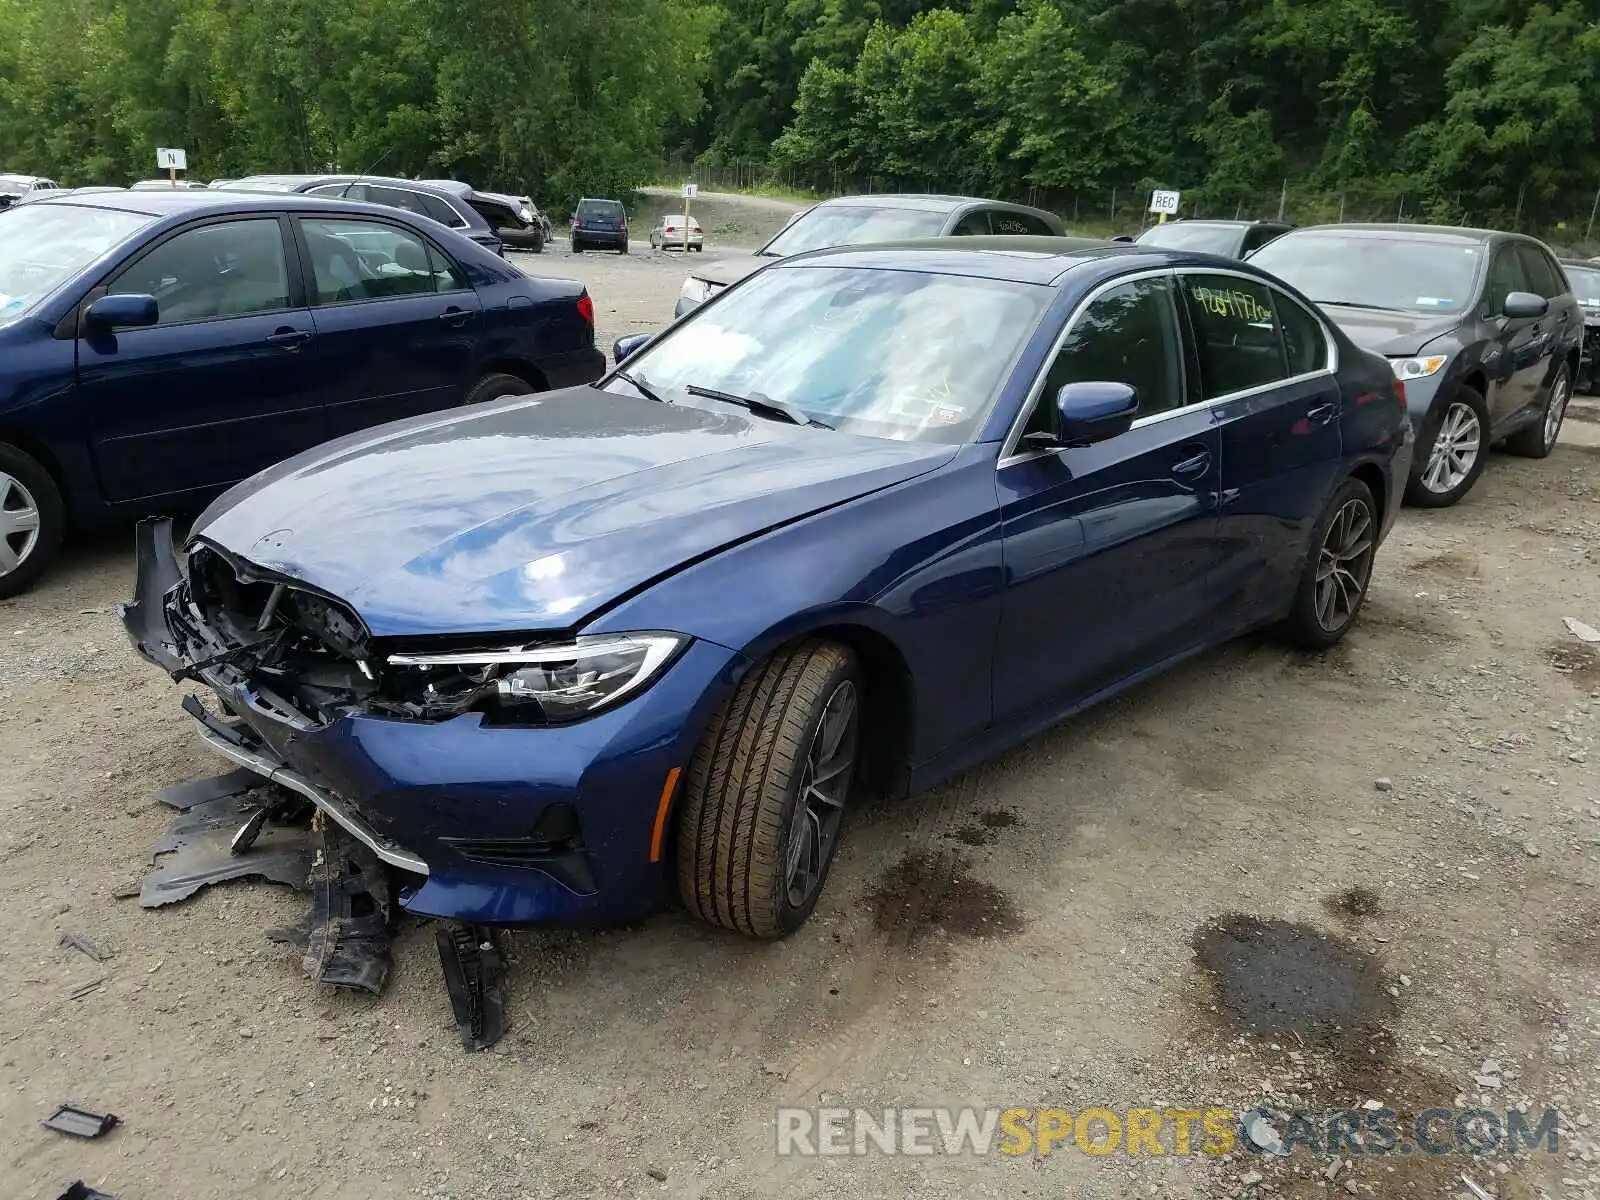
1237 333
354 260
440 211
1017 224
974 224
400 198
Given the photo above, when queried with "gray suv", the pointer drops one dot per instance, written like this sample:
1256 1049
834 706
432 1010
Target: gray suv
1481 327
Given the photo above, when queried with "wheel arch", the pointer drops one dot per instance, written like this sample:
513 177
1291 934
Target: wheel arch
521 368
1371 474
40 453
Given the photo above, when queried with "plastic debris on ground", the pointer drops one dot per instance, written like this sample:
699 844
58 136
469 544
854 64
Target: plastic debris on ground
473 973
346 937
198 848
80 1123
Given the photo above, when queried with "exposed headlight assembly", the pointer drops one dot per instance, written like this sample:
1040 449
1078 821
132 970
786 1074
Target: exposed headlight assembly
530 685
697 291
1418 368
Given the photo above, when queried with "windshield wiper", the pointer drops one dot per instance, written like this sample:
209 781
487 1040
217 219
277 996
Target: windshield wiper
643 388
760 404
1358 304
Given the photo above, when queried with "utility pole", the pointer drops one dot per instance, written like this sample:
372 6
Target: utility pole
1594 210
1283 198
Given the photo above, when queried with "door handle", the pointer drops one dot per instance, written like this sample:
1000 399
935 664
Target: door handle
289 339
1322 414
1195 464
453 316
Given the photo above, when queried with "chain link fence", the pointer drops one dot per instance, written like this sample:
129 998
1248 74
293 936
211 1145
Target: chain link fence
1569 221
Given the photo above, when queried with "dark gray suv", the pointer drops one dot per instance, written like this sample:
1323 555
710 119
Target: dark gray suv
1480 326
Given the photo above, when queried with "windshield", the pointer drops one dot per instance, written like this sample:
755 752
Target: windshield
1585 285
853 225
1375 272
893 354
1180 235
44 245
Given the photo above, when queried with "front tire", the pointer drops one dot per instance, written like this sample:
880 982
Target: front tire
497 385
1538 439
1338 569
32 520
1457 446
765 794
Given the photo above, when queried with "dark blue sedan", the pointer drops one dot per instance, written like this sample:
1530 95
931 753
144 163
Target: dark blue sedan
157 347
865 519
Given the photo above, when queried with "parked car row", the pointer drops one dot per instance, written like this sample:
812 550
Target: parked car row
157 347
919 480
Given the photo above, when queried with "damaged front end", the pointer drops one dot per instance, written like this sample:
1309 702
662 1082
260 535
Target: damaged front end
279 657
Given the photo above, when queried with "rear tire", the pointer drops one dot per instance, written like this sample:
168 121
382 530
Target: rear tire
1539 438
1338 570
497 385
622 249
1454 422
765 792
33 520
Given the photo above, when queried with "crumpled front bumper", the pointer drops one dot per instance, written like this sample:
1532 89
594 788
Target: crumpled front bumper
530 826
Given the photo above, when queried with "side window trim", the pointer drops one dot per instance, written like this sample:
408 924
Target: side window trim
1008 446
298 296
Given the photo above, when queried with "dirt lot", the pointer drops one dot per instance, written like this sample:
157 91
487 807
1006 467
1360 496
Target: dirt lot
1040 932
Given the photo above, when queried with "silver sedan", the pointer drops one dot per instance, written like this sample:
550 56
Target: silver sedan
669 233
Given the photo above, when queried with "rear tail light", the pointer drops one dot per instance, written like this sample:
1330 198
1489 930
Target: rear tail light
1400 393
586 310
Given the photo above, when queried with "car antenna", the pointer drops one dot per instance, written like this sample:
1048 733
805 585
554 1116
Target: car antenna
381 159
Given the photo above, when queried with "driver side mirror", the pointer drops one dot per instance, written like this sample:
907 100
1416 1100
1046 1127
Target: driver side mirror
1520 305
129 311
625 347
1086 413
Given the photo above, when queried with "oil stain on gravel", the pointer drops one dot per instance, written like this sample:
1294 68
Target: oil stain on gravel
1578 661
986 828
1280 979
1358 901
932 890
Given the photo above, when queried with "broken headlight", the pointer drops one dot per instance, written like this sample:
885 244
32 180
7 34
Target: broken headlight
536 684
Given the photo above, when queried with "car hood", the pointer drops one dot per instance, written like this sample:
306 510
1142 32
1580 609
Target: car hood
529 514
725 271
1392 333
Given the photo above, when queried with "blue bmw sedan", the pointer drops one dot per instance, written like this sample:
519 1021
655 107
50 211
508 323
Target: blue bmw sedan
157 347
868 517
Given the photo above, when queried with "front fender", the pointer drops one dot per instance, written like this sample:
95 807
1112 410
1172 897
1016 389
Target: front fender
918 564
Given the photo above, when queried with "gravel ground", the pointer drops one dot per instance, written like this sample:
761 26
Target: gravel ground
1266 877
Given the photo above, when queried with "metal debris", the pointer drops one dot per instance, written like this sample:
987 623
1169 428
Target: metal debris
200 842
473 970
1479 1193
80 1123
82 945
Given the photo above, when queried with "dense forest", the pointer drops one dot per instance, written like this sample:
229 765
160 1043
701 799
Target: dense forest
1449 109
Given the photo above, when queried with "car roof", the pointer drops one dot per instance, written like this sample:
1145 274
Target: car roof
1411 233
1223 222
201 201
1017 259
919 201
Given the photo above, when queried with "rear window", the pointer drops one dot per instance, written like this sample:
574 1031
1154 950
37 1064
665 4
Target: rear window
1207 239
599 208
1586 285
